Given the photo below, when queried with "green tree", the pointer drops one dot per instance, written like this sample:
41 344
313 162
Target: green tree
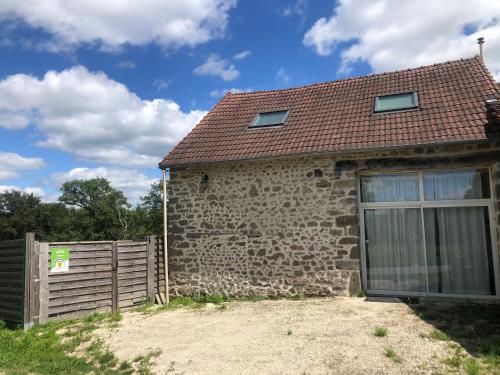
151 209
102 211
18 214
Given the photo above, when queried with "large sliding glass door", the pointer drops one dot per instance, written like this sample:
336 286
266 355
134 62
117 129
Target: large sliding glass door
428 233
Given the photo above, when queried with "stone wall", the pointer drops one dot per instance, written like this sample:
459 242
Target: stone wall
284 226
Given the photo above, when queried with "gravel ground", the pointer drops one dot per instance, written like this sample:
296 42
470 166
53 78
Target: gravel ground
312 336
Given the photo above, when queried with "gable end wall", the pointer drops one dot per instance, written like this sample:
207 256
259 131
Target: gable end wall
275 227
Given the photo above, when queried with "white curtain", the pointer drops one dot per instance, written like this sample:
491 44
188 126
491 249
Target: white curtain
395 254
390 188
458 250
455 185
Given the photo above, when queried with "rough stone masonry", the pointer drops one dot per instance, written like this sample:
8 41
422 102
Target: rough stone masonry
286 226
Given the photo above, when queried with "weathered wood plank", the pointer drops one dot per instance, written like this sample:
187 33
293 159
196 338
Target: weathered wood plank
75 300
81 291
78 284
29 243
72 308
132 255
12 244
131 274
84 269
138 268
131 295
133 288
114 278
62 278
44 283
35 283
79 313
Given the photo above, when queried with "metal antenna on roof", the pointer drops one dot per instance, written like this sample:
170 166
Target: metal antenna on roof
480 41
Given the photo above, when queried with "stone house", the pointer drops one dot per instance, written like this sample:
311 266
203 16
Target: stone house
388 183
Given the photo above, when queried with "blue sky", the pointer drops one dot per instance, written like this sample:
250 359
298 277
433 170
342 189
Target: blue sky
91 89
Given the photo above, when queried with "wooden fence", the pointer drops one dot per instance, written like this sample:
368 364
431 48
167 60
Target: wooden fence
102 276
12 280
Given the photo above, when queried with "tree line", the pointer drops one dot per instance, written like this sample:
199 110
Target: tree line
87 210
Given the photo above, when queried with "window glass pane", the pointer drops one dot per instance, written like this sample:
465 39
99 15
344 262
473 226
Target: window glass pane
393 102
459 254
394 250
270 118
390 188
470 184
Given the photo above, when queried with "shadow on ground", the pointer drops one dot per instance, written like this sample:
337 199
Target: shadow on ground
475 326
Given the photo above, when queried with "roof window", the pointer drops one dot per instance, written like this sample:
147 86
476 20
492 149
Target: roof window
266 119
396 102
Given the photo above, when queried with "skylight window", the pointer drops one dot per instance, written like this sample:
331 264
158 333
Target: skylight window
266 119
396 102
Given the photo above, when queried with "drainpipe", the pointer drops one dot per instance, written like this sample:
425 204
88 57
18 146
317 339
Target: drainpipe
165 234
480 41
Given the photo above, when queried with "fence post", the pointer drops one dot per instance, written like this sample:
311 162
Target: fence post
114 277
150 256
43 266
28 304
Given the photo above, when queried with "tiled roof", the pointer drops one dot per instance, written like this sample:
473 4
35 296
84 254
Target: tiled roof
338 116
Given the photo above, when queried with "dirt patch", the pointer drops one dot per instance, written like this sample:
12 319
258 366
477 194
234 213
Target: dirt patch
313 336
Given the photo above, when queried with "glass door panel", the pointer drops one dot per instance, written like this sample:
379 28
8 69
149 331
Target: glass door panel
395 256
458 248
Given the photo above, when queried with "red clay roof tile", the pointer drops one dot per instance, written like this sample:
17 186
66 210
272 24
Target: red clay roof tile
338 116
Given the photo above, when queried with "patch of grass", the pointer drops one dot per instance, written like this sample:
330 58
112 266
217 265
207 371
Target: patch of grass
361 293
475 326
380 332
391 354
289 332
471 366
144 362
201 300
296 297
58 348
455 360
439 335
100 317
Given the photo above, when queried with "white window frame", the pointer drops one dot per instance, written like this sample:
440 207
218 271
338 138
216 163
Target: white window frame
422 204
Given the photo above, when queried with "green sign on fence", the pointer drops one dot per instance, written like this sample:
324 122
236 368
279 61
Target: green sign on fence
59 259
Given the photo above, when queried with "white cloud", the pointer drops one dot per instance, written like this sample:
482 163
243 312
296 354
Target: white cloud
11 164
219 93
400 34
133 183
283 76
297 8
242 55
161 84
112 24
126 64
216 67
93 117
36 191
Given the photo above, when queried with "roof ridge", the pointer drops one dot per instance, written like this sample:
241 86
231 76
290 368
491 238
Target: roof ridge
358 78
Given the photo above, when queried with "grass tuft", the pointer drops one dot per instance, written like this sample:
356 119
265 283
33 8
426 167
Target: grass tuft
439 335
391 354
380 332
